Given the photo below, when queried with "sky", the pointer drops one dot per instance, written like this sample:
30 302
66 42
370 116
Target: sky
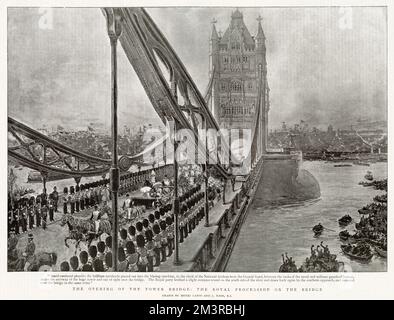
325 65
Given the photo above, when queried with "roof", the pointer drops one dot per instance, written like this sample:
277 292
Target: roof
260 32
214 34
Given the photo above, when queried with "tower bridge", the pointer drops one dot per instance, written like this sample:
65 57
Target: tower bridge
237 97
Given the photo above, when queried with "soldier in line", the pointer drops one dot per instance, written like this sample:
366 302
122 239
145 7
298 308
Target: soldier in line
12 244
65 200
77 198
30 213
10 221
105 194
51 208
23 217
87 198
72 199
92 199
37 212
82 197
127 206
55 197
44 215
16 218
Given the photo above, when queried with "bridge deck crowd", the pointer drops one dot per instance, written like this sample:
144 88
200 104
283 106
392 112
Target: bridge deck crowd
146 233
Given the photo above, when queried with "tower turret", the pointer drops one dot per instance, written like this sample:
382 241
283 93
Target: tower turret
260 45
213 47
214 66
236 59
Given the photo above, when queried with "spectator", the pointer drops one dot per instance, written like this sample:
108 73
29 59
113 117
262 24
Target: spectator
143 254
74 263
122 262
64 266
131 257
92 253
98 265
101 250
83 258
108 262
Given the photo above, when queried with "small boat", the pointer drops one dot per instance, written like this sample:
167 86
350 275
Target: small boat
345 220
353 239
318 229
364 211
366 183
381 252
369 176
287 268
343 165
344 235
375 243
359 163
348 250
381 198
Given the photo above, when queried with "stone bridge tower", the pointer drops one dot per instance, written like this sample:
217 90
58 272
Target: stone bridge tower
235 58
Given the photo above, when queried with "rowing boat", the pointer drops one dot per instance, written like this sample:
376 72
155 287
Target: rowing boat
381 252
345 220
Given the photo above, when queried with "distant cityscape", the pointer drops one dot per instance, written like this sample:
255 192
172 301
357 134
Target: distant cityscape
361 137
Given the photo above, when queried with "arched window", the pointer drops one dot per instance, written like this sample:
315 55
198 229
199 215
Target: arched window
236 87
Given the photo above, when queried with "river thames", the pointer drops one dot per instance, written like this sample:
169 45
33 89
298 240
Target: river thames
270 231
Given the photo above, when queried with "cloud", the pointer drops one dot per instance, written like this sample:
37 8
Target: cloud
317 70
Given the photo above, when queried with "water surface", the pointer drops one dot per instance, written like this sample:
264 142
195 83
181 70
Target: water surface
269 232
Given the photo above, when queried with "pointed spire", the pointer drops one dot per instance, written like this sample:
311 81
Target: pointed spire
214 34
260 32
237 14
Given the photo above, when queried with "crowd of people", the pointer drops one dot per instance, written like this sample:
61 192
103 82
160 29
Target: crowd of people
28 213
88 195
320 260
145 240
371 229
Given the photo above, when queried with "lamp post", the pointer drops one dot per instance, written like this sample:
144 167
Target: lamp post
114 31
224 190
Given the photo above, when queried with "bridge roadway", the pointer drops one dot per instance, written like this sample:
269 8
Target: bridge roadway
194 243
52 239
